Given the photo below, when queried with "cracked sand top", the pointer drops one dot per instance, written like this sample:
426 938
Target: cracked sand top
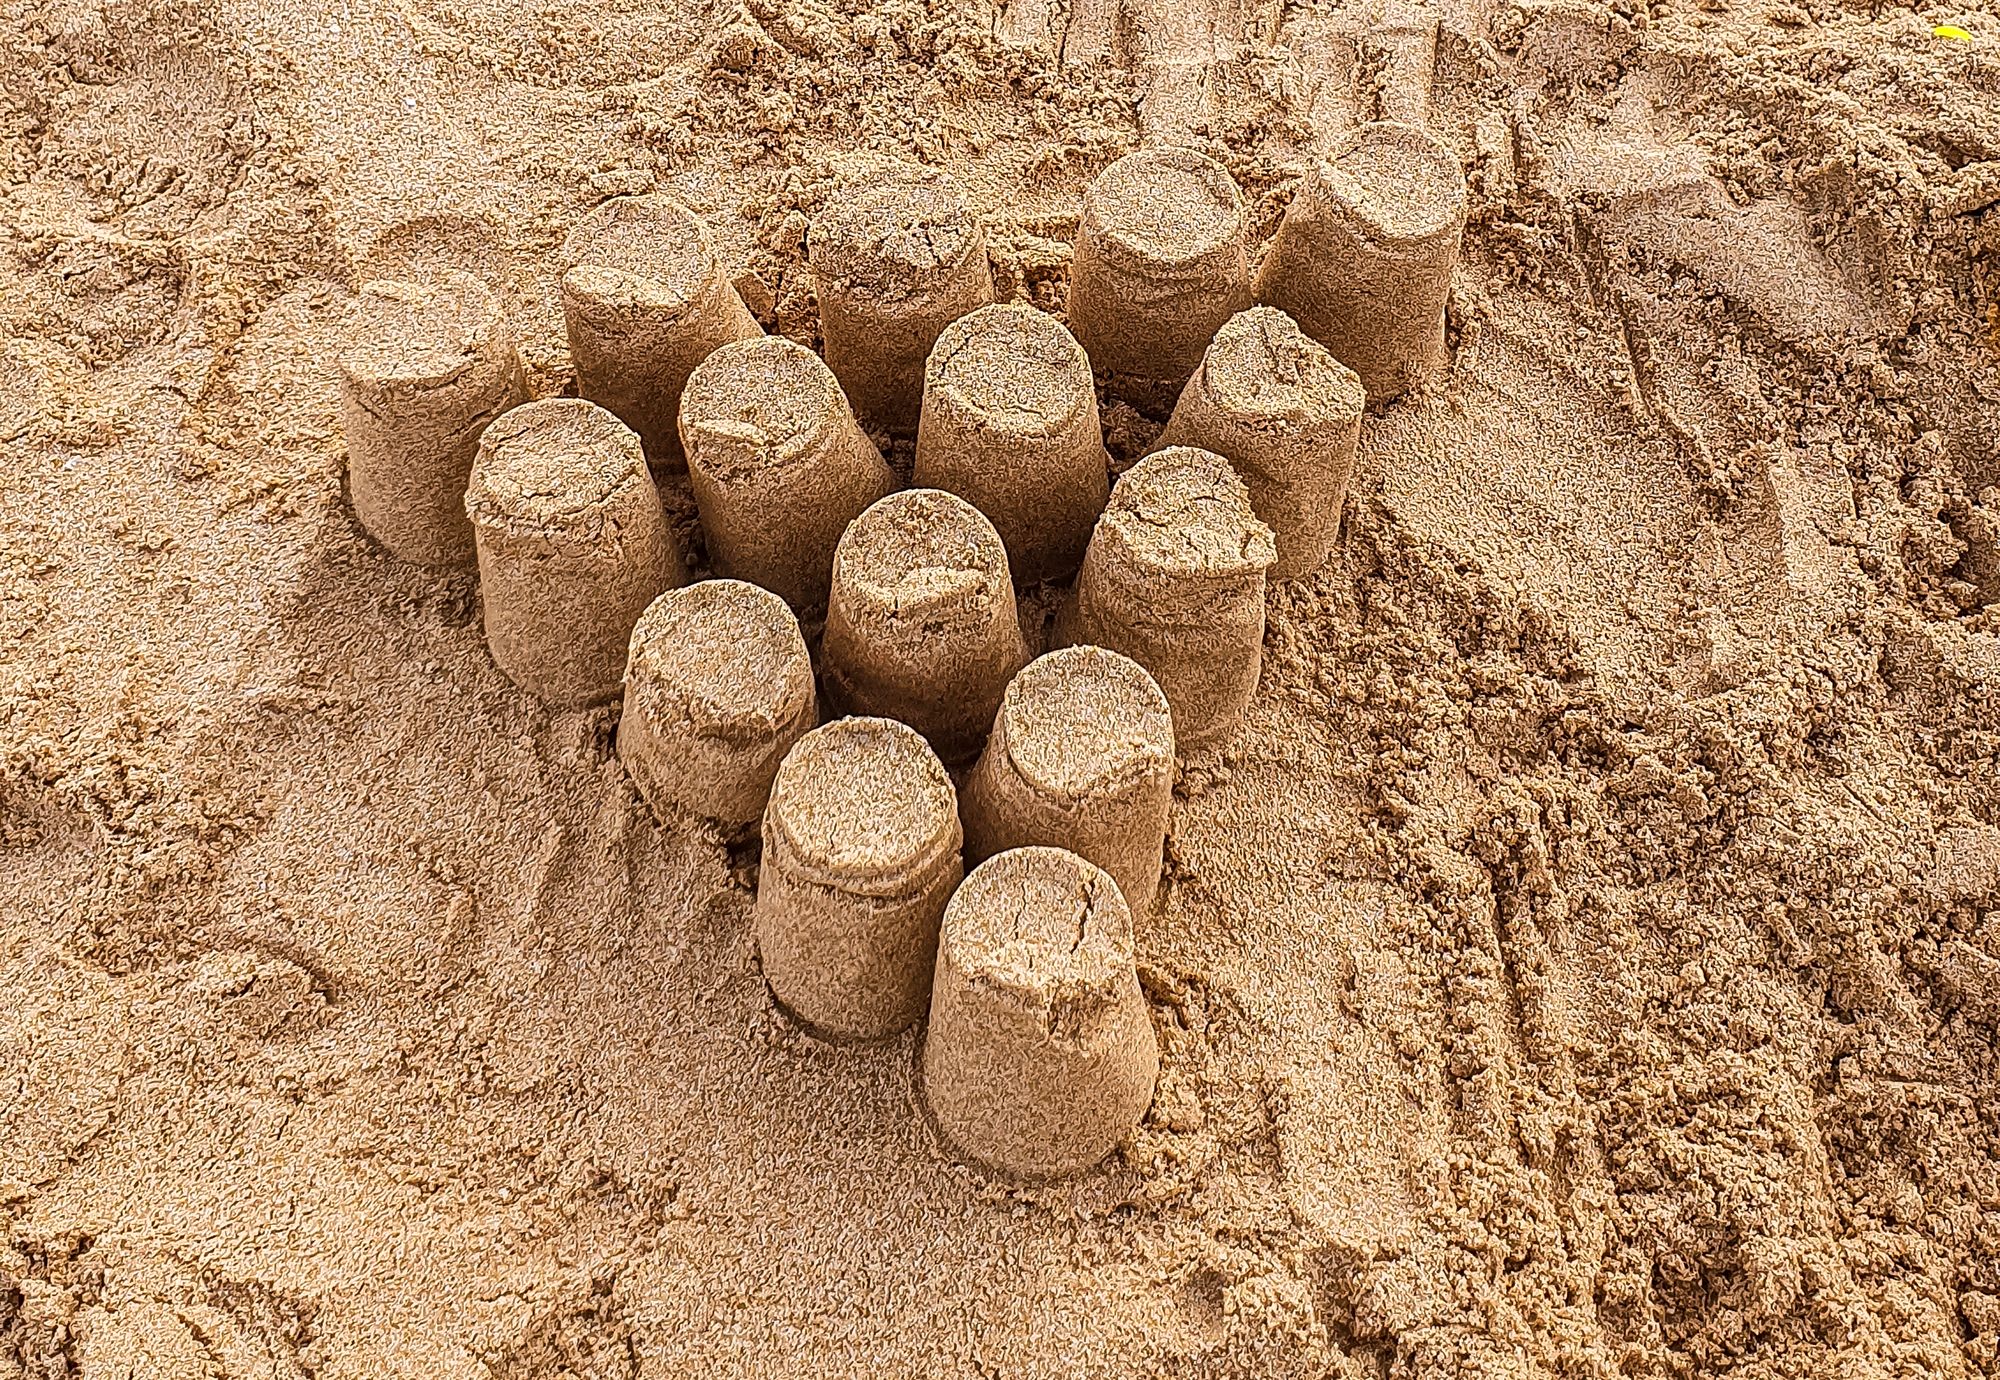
1262 367
1184 512
549 468
924 554
1043 923
768 400
1166 210
894 235
1014 368
1394 185
724 655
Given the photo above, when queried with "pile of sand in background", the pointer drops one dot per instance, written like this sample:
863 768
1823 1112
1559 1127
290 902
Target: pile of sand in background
1584 964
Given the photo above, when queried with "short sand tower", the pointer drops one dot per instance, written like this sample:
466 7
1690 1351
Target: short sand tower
778 464
1174 579
896 260
718 686
922 625
1273 402
1162 260
1081 757
572 546
861 853
645 300
1010 424
1040 1057
1364 257
426 366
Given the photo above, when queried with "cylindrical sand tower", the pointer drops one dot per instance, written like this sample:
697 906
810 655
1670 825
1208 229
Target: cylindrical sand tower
1081 757
778 465
1364 257
1010 425
896 260
718 686
1040 1055
1273 402
922 626
1162 260
426 366
1174 579
645 300
861 852
572 546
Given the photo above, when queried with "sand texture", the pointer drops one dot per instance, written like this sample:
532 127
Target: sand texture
1583 961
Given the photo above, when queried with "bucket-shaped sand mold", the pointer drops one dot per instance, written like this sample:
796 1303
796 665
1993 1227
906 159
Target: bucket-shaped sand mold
1081 757
1174 579
1162 260
778 464
861 853
1364 256
572 546
424 368
1039 1057
895 259
718 686
644 301
921 625
1010 424
1286 414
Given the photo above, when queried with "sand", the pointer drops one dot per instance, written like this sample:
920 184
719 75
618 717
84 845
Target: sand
718 687
1365 258
1581 964
922 626
1010 424
861 855
1175 578
1038 1056
1081 758
573 546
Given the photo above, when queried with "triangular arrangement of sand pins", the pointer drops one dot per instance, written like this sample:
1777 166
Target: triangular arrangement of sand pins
1038 1054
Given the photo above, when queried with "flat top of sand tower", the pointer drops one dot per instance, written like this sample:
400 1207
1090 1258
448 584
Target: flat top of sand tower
771 396
864 798
1042 922
650 249
730 650
920 550
1084 721
1185 512
1014 365
1397 183
421 334
1166 206
894 232
549 464
1261 365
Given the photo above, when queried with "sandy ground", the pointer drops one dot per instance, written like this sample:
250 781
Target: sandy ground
1585 964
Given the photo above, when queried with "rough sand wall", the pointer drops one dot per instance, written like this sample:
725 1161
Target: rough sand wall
1585 963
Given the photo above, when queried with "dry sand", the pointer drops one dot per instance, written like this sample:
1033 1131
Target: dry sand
1583 964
